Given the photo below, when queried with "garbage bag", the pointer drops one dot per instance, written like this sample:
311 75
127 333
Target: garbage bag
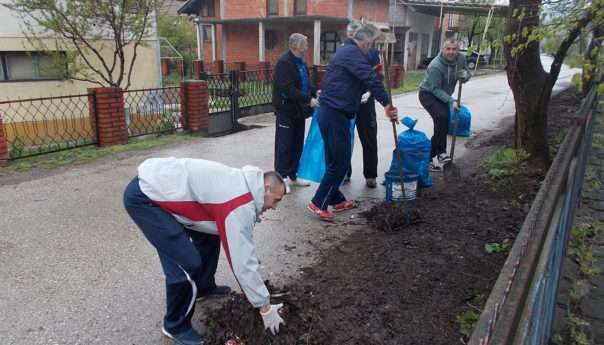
312 161
415 149
464 123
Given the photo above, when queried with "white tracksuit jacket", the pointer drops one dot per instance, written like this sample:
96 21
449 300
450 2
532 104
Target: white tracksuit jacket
215 199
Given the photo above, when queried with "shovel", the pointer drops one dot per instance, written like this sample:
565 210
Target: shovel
399 160
451 168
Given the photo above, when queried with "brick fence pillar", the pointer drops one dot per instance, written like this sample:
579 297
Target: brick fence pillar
3 146
401 78
108 116
237 66
165 67
194 105
265 73
240 67
218 67
180 67
198 69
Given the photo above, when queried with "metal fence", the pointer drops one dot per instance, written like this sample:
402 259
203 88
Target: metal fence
150 111
43 125
244 89
256 88
235 95
219 92
521 306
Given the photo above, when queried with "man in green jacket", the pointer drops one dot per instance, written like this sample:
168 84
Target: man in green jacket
435 96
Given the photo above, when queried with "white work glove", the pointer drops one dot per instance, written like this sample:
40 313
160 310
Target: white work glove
314 103
365 97
272 319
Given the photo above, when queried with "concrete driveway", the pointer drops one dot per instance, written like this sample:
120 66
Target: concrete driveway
75 269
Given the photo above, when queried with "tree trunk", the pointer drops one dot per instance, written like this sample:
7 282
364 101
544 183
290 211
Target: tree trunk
530 84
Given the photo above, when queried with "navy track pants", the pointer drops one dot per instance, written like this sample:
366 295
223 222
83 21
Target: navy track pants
335 130
188 258
289 141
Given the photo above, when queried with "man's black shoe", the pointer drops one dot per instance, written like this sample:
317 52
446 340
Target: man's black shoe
218 292
371 183
188 337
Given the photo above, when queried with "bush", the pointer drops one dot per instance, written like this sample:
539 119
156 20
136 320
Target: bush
505 163
16 147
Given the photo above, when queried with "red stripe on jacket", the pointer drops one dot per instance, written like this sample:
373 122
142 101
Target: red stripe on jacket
199 212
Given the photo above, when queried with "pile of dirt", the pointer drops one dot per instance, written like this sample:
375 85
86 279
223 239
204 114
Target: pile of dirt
395 281
239 322
391 217
392 282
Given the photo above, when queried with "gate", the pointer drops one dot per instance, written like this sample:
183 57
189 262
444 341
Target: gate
235 95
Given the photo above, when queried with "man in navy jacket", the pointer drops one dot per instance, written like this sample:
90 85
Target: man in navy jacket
292 99
348 76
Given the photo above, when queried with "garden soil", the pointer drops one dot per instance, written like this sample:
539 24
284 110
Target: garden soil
392 282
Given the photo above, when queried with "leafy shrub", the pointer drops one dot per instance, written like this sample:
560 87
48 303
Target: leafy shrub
505 163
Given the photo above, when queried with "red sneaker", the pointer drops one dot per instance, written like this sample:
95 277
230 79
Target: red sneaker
322 214
345 205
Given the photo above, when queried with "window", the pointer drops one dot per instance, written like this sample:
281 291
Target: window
272 7
329 43
32 66
207 33
207 8
300 7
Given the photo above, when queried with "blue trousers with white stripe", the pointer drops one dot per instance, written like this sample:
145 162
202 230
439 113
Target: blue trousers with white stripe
188 258
335 130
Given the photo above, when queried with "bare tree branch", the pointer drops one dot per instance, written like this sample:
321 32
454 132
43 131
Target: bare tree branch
82 39
100 33
88 80
142 32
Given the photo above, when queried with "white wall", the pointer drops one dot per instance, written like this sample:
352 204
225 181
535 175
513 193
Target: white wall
10 23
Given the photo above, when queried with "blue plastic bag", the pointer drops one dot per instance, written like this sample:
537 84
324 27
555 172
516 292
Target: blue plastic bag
464 123
415 149
312 161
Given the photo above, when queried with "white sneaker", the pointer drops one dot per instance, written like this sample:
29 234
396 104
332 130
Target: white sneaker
436 165
288 183
300 183
443 158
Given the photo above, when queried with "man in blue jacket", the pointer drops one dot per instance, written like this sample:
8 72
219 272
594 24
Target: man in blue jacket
348 76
